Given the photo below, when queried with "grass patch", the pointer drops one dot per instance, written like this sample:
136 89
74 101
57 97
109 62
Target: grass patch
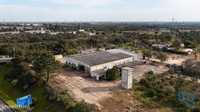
9 94
150 103
145 100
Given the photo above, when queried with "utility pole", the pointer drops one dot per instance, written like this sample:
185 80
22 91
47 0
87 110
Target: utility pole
14 50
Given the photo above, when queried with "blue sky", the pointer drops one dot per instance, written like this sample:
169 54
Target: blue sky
99 10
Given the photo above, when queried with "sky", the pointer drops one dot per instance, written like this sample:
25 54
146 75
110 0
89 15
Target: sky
99 10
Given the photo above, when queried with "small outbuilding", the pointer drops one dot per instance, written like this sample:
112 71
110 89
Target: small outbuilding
127 77
5 59
188 50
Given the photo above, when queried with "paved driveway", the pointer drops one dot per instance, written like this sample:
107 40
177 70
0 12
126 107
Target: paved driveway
4 107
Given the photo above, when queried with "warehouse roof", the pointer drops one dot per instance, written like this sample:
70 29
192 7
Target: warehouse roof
99 57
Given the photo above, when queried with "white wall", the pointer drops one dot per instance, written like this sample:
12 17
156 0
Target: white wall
111 64
104 66
127 77
76 62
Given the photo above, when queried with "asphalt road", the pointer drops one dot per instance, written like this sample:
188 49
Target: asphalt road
4 107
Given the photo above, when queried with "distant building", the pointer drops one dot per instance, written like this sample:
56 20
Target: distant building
164 30
99 62
160 46
91 33
5 59
9 32
81 30
42 31
59 58
188 50
182 45
55 33
74 32
71 32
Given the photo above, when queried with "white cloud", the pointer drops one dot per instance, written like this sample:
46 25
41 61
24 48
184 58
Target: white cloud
86 10
182 9
85 3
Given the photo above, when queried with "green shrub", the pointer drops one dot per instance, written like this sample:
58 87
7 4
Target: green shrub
21 75
14 82
81 68
83 107
68 102
113 74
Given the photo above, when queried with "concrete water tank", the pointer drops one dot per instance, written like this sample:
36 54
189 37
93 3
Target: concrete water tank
127 77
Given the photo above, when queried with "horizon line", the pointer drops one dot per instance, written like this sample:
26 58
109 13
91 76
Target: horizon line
100 21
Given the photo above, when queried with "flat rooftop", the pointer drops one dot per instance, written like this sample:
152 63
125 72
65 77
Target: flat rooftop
98 58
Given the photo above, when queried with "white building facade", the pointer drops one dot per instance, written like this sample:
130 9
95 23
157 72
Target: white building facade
96 63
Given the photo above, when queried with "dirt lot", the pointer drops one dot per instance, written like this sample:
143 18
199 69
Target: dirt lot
109 96
177 59
84 88
140 70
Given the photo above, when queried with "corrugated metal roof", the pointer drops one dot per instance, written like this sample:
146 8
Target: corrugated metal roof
99 57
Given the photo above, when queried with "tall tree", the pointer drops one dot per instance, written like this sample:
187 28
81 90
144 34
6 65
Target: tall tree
44 64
